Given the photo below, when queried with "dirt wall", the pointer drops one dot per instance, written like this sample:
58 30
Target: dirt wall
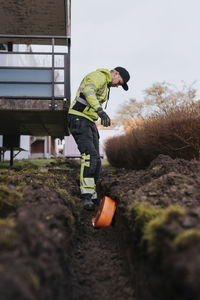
37 226
158 218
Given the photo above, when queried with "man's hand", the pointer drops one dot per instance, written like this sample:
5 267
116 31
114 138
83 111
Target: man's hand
105 120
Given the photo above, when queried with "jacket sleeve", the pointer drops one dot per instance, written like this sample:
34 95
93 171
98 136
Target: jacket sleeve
93 82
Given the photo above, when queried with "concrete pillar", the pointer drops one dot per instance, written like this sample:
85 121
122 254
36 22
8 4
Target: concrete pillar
45 147
49 146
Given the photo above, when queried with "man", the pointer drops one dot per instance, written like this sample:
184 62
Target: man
83 112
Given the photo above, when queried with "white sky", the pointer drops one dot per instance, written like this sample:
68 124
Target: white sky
156 40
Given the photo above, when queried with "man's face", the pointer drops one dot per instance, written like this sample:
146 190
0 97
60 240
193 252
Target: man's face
116 79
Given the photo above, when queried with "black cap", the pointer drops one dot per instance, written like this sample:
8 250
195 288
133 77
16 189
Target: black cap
125 76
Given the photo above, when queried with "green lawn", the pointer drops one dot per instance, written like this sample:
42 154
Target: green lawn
39 162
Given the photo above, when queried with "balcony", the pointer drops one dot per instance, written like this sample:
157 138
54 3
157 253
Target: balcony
35 82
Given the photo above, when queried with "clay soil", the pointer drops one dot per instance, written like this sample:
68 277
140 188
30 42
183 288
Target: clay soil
57 254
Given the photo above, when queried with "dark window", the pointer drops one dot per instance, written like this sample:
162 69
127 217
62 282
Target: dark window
3 47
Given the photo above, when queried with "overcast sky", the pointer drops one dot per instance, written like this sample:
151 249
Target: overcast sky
156 40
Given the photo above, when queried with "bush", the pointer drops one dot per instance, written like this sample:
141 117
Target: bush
174 133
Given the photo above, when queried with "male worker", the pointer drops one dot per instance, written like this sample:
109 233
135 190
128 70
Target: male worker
83 112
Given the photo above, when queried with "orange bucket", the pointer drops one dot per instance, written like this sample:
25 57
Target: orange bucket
105 213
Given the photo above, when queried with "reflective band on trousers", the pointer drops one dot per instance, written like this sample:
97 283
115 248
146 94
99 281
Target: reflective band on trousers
87 182
94 196
86 190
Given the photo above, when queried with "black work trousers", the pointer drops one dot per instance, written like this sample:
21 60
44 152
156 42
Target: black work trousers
86 136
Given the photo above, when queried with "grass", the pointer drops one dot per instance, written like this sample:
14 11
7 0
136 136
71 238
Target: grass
39 162
34 280
186 238
105 163
154 229
33 164
8 236
142 214
10 200
148 225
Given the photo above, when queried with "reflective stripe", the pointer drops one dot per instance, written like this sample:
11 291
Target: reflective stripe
86 191
100 92
87 182
83 163
91 85
81 100
98 98
94 196
81 90
87 185
89 93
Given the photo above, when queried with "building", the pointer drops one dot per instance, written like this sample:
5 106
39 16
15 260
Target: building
70 147
34 96
34 147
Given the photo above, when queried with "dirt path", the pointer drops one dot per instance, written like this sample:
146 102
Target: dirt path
96 264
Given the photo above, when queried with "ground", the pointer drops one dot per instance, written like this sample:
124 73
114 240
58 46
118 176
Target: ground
158 226
49 249
97 266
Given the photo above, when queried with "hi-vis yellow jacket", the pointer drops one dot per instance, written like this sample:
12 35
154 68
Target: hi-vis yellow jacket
91 94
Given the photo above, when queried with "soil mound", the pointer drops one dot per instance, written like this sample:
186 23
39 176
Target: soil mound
36 237
158 223
48 247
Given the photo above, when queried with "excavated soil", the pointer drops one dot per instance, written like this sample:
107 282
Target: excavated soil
35 252
166 181
55 253
166 272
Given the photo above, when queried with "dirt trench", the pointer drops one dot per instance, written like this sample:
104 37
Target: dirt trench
97 267
48 246
49 249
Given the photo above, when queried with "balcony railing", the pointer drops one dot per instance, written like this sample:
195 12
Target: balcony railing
39 80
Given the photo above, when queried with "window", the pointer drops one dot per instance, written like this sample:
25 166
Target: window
3 47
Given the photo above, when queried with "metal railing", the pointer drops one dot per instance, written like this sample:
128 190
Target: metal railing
28 82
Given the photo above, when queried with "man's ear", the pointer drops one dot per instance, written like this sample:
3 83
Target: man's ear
116 73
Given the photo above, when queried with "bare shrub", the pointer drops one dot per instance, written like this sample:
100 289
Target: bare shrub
160 97
175 132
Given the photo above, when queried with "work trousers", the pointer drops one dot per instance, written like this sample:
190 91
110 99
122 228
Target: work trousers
86 136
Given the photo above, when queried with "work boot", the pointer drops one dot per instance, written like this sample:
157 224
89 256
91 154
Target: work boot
88 204
95 201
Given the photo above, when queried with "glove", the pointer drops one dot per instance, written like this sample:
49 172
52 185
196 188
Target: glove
105 120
